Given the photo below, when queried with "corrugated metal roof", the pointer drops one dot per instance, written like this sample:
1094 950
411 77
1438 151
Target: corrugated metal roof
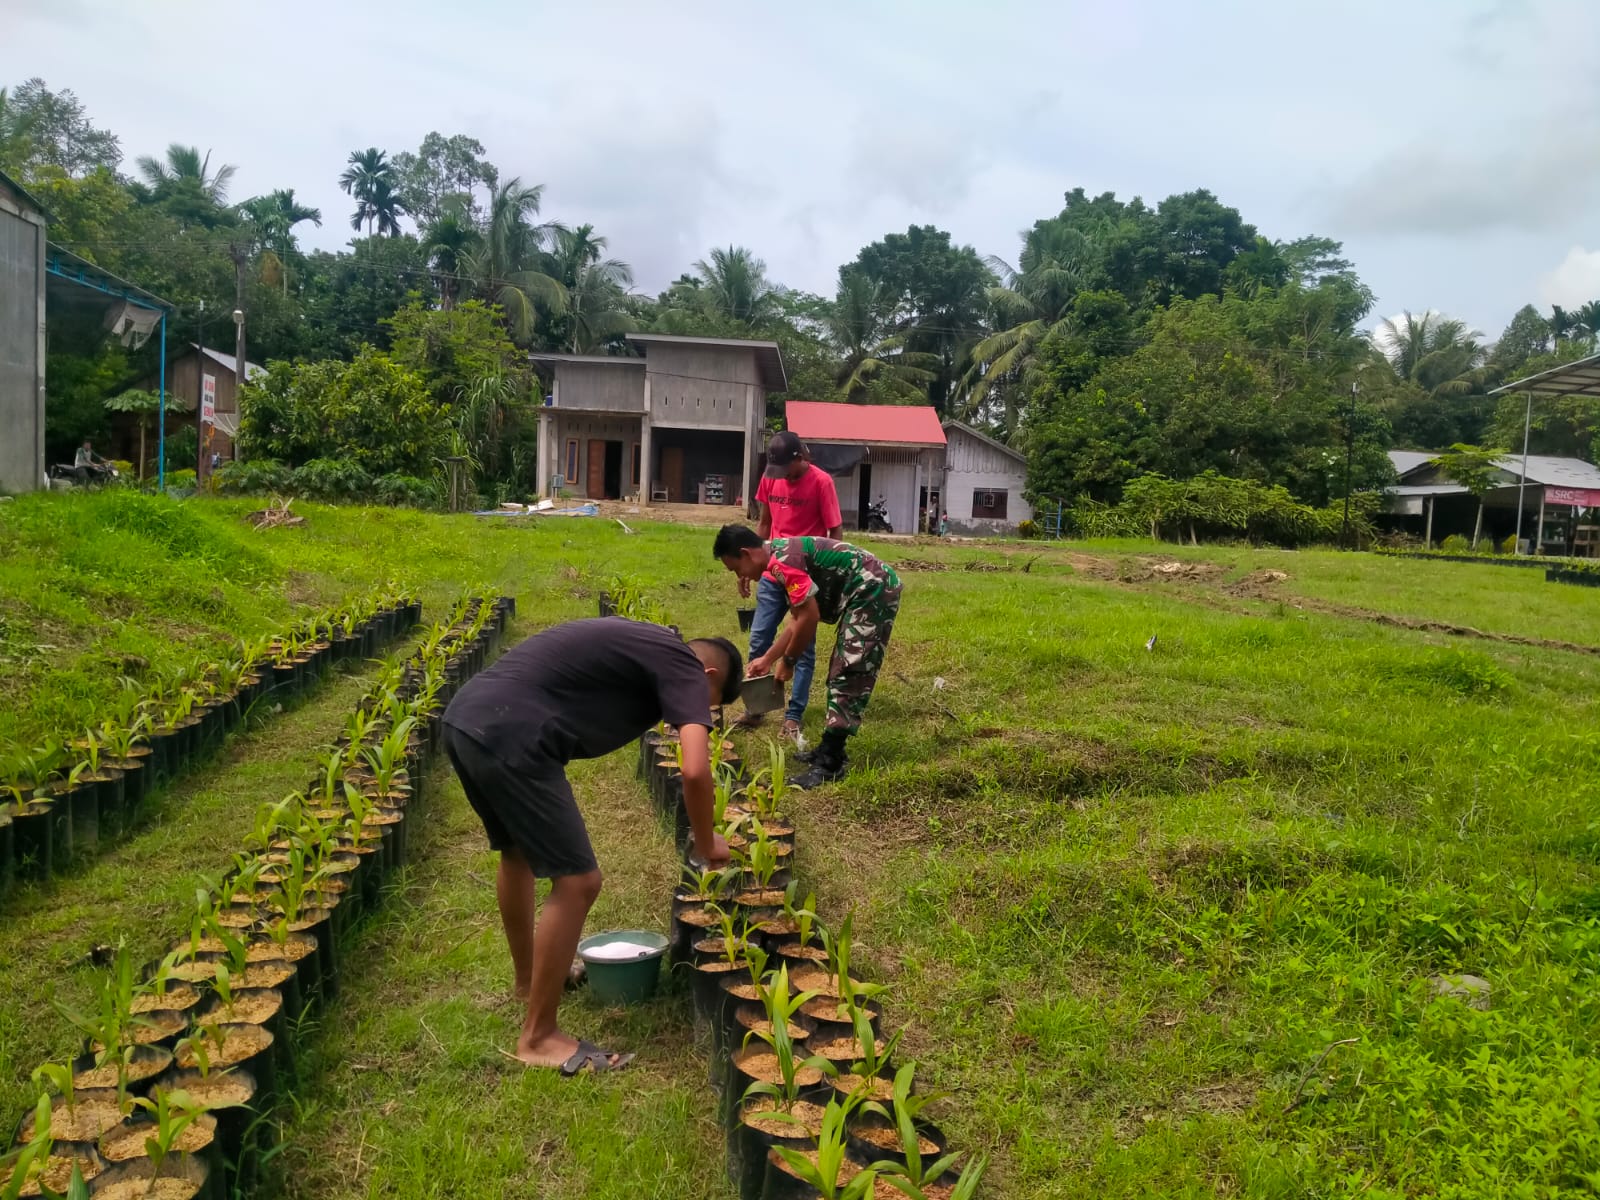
987 440
1580 378
1556 472
871 424
1406 461
1427 489
230 364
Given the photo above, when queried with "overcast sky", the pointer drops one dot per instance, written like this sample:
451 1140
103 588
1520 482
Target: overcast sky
1452 145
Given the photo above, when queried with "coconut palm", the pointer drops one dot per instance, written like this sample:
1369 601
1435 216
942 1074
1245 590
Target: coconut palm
734 284
597 287
1439 354
862 328
185 170
448 242
1057 263
509 264
1588 318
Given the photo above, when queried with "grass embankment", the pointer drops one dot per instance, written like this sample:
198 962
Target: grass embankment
1128 898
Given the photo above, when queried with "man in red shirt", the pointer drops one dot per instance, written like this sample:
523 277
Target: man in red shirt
797 499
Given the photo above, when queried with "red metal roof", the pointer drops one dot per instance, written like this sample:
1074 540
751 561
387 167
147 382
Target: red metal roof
903 424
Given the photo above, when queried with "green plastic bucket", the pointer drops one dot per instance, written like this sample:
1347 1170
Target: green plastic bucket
623 980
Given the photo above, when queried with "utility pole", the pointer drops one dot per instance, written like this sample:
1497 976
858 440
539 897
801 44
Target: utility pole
199 395
1349 461
1522 484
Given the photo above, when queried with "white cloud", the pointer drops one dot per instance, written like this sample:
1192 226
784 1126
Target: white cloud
1574 281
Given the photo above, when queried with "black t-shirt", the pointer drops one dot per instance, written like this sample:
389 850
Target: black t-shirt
584 689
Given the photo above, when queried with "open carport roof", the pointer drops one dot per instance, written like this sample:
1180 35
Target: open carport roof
1578 378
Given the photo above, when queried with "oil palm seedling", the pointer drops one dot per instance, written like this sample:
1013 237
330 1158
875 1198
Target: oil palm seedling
828 1168
172 1111
908 1172
781 1008
20 1169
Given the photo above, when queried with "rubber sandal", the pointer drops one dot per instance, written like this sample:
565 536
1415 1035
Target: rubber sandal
747 722
598 1061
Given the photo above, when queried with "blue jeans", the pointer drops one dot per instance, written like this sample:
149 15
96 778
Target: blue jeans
771 604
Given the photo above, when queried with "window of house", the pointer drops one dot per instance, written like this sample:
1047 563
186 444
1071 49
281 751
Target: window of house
636 462
989 504
571 472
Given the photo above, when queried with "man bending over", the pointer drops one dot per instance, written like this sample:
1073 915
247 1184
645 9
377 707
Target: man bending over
579 690
823 580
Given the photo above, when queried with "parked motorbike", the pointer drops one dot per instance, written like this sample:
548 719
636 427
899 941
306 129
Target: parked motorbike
878 517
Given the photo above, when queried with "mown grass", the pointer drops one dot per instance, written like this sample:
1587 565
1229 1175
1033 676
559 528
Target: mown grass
1128 898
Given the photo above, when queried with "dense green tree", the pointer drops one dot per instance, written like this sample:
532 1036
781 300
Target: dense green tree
347 296
1526 337
273 218
940 294
40 128
444 173
449 243
370 412
1566 426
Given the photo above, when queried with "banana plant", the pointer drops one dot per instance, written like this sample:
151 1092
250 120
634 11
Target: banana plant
781 1008
824 1173
23 1166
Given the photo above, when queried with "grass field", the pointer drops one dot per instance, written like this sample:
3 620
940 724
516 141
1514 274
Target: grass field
1163 921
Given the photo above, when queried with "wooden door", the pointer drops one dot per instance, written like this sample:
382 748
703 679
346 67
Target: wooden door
672 473
596 489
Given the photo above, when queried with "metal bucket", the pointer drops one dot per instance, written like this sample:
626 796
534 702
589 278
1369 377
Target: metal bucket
762 695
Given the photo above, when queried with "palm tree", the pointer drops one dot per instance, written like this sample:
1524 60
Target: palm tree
448 243
371 180
184 169
734 284
862 328
1057 263
508 263
1439 354
597 288
1588 318
274 216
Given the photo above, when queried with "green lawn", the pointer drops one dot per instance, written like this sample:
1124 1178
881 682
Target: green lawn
1133 902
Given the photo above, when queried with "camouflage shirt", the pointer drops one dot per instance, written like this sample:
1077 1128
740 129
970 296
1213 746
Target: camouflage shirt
836 573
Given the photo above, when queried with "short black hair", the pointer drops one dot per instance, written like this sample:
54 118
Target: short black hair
735 665
734 539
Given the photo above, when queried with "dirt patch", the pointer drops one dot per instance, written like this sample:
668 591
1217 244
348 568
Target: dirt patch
920 564
1144 570
1258 585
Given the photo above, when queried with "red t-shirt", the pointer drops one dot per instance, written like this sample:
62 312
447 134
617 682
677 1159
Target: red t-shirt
804 507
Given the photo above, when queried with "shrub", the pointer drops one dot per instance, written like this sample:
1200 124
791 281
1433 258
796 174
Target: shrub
405 490
181 479
332 479
1028 529
1456 544
262 475
1508 544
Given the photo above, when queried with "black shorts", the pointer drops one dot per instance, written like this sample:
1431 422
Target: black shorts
525 804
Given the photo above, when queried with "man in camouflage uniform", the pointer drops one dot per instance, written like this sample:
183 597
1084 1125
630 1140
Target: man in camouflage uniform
830 581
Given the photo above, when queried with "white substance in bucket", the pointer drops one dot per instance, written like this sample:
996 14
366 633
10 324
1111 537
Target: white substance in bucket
619 951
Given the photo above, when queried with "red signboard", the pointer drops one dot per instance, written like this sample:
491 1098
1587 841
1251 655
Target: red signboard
1582 497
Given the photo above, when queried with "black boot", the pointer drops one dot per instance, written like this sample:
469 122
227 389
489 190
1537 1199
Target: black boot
827 763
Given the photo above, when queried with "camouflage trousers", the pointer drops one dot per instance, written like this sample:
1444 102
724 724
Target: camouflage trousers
864 629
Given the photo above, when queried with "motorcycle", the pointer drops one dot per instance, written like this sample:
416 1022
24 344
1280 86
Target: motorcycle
878 517
65 475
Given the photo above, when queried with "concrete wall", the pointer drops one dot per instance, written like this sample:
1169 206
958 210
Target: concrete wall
567 426
22 242
703 386
606 387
